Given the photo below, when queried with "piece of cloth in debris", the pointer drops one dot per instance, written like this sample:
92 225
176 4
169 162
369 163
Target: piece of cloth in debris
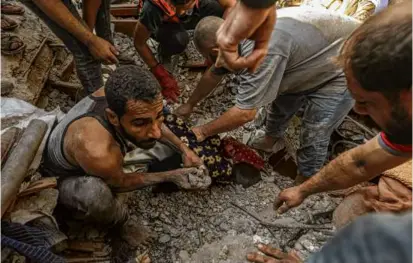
28 241
389 195
215 152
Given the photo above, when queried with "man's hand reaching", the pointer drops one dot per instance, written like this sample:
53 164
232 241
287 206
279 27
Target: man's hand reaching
190 159
243 22
184 111
288 199
102 50
272 255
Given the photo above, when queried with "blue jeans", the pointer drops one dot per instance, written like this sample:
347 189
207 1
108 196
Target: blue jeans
325 109
376 238
89 70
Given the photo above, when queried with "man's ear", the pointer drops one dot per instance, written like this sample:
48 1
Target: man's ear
112 117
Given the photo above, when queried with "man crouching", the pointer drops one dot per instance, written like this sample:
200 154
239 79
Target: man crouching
86 150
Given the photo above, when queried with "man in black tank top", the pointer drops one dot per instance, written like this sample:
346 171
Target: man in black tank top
93 145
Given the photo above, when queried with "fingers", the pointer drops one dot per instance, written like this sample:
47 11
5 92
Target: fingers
258 258
274 252
114 50
112 59
277 203
284 208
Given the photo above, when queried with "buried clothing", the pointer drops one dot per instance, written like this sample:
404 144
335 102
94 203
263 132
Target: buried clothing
224 158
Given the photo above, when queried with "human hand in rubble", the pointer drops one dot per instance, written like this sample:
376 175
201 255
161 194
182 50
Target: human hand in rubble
102 50
288 199
184 111
272 255
170 89
244 22
192 178
190 159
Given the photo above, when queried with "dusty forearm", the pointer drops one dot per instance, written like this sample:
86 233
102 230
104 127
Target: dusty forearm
230 120
206 85
358 165
144 51
146 54
341 173
58 12
135 181
90 10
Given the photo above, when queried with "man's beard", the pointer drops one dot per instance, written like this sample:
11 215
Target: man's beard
143 144
399 128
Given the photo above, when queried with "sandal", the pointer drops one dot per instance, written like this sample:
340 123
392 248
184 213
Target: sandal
11 44
7 23
11 9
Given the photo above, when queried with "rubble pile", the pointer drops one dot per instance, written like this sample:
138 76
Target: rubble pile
204 226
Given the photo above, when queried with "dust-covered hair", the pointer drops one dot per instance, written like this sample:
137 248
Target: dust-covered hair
130 83
378 54
205 32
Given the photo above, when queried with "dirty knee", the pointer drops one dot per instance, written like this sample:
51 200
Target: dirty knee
91 197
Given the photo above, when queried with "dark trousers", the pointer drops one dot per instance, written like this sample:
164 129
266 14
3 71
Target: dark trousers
88 69
173 37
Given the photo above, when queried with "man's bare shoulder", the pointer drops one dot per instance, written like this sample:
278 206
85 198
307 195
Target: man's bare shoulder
88 137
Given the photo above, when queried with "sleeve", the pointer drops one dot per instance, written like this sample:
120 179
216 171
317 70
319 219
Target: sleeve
261 88
258 3
393 148
151 16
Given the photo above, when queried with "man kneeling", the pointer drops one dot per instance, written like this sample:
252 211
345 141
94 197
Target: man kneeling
87 147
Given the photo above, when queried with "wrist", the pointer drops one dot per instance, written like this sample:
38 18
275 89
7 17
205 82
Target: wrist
89 40
305 190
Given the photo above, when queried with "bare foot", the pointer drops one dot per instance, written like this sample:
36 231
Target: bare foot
193 178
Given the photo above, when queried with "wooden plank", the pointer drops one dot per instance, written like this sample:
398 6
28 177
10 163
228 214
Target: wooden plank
37 186
125 26
124 10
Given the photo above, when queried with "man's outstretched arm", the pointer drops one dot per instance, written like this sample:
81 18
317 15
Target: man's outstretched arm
60 14
230 120
208 82
357 165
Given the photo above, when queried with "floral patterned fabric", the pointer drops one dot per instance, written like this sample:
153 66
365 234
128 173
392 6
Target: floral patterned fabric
217 154
210 150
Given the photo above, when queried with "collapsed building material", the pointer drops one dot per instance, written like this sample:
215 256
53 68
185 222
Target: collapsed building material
282 222
6 87
8 138
15 169
37 186
125 26
67 68
74 90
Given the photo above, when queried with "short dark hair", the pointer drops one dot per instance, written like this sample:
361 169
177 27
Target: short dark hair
130 83
379 52
205 31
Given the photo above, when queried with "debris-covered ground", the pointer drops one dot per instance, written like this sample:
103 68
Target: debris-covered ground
204 226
